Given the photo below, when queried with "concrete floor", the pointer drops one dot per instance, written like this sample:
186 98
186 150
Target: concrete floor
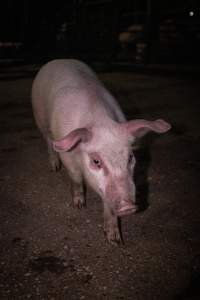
50 250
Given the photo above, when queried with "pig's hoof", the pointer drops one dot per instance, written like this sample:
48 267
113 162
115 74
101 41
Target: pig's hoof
113 236
79 202
55 164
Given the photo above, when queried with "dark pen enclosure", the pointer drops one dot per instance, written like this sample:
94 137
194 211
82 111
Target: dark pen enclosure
141 32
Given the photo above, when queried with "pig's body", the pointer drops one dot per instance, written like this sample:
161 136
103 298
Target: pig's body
74 96
85 128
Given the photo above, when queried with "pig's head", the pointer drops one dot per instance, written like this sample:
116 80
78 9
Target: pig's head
108 160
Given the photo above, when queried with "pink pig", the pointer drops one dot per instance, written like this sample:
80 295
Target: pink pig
86 130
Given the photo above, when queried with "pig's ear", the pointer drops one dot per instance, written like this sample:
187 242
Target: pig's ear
70 141
139 128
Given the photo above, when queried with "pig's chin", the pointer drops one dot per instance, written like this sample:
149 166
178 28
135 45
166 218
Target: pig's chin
127 210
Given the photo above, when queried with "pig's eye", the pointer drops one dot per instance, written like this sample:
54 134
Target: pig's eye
97 163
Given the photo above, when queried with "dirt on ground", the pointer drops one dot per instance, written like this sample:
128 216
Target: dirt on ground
50 250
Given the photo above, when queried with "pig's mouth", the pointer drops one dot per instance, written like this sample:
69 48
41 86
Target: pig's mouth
127 210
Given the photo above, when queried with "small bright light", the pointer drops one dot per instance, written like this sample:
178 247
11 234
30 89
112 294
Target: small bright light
191 13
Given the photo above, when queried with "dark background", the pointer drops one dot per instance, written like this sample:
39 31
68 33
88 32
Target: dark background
165 31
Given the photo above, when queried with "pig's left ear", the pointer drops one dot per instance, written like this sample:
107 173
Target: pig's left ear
72 140
139 128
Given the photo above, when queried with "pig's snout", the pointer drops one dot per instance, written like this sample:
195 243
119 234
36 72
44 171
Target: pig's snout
126 208
121 193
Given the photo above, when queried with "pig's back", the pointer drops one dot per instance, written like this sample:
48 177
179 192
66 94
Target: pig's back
52 78
67 94
59 73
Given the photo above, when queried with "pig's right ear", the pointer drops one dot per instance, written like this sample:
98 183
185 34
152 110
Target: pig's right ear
70 141
139 128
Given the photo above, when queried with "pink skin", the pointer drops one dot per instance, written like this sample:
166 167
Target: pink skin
86 130
71 140
119 203
118 198
117 190
97 163
118 193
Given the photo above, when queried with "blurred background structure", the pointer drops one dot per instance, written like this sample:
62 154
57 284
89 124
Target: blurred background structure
133 31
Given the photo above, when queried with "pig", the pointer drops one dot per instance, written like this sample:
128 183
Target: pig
87 132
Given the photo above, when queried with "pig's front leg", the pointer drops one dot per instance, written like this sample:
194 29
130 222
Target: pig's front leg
53 157
111 227
78 194
78 188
